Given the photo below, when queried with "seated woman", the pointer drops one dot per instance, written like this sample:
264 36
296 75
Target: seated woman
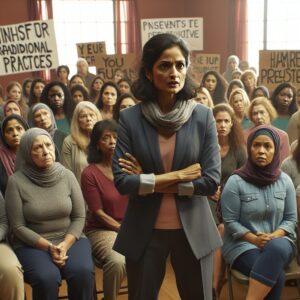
95 89
79 93
203 96
262 112
106 205
74 149
123 102
12 107
45 208
41 116
260 214
124 85
12 129
249 79
36 90
11 279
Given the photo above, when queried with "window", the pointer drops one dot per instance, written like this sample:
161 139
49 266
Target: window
281 27
82 21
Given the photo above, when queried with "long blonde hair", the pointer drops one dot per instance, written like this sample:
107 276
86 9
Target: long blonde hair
77 134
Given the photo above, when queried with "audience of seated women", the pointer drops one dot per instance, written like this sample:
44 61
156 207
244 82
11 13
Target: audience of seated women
106 206
46 212
74 149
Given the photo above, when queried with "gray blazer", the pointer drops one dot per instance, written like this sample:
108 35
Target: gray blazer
196 141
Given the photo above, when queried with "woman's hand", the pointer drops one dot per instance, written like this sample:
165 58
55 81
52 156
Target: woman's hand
130 165
262 239
216 196
189 173
58 254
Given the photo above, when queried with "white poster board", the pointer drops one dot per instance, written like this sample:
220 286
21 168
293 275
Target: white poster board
26 47
189 29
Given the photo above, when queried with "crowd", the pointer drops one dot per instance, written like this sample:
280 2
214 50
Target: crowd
128 174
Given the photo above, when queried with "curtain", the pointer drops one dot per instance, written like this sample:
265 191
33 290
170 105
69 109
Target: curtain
127 27
41 10
238 29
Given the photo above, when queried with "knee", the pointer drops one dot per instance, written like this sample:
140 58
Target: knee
11 271
280 248
114 263
48 279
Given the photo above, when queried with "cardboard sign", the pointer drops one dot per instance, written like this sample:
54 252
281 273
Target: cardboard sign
90 51
26 47
189 29
277 66
201 63
107 65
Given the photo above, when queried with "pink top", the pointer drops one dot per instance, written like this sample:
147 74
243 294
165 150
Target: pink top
168 217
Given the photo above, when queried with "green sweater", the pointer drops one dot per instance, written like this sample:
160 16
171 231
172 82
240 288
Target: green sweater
48 212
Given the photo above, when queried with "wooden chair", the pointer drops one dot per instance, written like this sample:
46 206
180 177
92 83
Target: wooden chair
292 272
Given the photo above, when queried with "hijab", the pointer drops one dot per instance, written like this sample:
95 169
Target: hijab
41 177
7 156
261 176
37 107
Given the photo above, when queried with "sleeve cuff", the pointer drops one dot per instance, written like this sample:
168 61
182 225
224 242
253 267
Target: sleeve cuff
147 184
185 189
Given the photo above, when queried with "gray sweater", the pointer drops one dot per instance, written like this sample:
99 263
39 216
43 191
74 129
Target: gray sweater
3 220
48 212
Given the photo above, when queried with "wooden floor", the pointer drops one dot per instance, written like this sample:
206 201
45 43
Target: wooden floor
169 290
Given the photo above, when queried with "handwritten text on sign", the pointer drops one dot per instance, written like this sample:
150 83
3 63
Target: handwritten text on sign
189 29
279 66
29 46
90 51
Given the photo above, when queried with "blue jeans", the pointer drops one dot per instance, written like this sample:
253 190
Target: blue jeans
267 265
45 277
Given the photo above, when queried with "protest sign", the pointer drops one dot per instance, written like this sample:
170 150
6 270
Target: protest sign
29 46
190 29
90 51
107 65
277 66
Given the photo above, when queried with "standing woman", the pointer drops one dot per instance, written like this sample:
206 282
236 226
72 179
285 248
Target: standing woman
168 212
95 89
57 96
45 208
284 100
74 149
109 94
216 85
36 90
260 214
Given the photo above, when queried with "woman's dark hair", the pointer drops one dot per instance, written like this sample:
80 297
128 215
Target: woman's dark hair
32 98
82 89
116 109
142 88
99 103
264 90
93 93
236 136
124 79
94 154
278 89
24 83
75 76
219 93
233 82
68 103
62 67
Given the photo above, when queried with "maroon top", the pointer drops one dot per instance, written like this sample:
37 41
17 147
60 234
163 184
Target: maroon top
100 193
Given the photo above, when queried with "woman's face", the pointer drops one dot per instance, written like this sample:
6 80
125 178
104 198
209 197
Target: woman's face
238 104
87 119
43 152
124 87
258 93
249 81
201 98
38 89
63 74
109 96
28 87
107 142
118 76
262 150
77 97
210 83
285 97
12 133
12 108
223 123
76 80
14 93
260 115
232 64
168 72
97 84
56 97
42 118
126 102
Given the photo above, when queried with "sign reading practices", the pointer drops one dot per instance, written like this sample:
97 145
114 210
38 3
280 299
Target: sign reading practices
26 47
189 29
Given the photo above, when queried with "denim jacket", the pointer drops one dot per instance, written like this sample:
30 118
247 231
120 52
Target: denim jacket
250 208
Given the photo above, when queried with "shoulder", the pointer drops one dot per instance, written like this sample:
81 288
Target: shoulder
69 140
285 178
60 134
131 112
295 117
89 170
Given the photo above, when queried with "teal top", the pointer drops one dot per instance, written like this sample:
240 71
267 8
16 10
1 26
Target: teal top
281 122
246 123
63 125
